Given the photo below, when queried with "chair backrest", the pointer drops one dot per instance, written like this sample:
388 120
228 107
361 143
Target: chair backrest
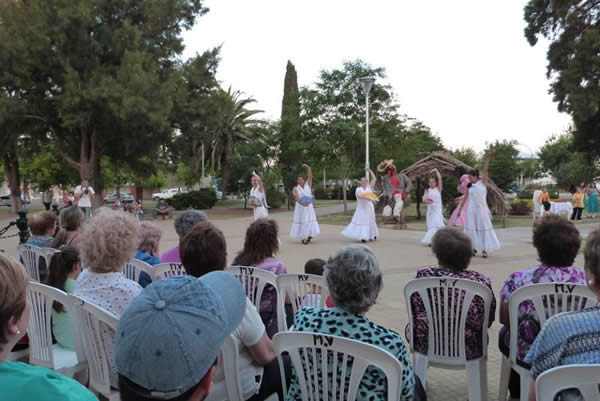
331 367
90 318
134 267
41 297
254 280
30 255
165 270
302 290
447 302
585 378
548 300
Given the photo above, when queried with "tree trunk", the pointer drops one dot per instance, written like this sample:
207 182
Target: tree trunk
418 199
225 178
344 195
11 166
89 165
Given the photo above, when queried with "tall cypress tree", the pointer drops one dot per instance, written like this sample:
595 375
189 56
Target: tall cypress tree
291 127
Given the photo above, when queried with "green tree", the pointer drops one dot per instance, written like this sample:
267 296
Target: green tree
559 157
333 112
44 168
231 126
291 127
504 167
467 155
573 29
102 75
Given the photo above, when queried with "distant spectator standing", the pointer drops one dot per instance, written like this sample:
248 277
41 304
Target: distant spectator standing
183 224
593 206
544 199
162 209
84 195
577 204
47 198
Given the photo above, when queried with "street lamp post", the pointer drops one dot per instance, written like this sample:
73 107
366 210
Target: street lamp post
366 84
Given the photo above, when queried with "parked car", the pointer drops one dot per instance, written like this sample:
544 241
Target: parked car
5 200
112 198
166 194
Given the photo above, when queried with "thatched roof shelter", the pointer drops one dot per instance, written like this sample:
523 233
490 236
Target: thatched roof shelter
450 166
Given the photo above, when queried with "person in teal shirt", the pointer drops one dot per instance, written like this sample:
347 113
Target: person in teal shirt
20 381
65 267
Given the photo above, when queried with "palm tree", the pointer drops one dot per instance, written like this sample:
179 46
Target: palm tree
232 125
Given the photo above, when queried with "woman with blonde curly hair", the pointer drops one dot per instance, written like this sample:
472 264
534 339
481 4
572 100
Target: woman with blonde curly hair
107 243
20 381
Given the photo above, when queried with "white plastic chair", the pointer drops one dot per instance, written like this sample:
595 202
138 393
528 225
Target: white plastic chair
331 368
254 280
30 255
548 299
165 270
446 343
538 209
134 267
585 378
41 350
90 319
301 290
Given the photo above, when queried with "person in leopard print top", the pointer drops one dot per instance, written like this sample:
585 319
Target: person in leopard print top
355 280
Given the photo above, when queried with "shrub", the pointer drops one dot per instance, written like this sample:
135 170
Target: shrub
520 208
525 195
276 198
202 199
322 193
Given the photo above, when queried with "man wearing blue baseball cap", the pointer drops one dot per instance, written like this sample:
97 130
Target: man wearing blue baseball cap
170 335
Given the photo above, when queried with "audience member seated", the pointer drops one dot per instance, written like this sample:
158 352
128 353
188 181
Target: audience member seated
162 209
453 251
183 223
260 247
107 243
557 242
197 315
71 222
572 337
148 248
354 280
316 266
203 250
42 226
64 269
20 381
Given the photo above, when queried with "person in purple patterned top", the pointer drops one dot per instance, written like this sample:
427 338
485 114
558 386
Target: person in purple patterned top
260 247
453 251
557 241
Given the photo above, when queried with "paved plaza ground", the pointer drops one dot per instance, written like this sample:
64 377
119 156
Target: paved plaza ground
400 254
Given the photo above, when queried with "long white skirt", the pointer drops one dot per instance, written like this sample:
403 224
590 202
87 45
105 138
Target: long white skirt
363 225
435 221
478 226
260 212
305 222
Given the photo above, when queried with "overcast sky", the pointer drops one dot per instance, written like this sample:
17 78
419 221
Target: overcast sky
464 68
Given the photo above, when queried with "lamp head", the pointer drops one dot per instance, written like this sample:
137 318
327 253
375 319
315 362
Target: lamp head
366 83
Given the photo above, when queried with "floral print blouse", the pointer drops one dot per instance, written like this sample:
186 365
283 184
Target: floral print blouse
529 325
474 321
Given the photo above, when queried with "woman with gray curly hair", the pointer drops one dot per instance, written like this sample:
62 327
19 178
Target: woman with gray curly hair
107 243
355 280
183 224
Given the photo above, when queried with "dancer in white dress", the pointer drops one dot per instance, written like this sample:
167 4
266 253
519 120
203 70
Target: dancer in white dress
258 198
363 226
478 223
435 210
305 226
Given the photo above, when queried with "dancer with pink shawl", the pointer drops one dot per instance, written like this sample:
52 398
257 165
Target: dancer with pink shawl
460 212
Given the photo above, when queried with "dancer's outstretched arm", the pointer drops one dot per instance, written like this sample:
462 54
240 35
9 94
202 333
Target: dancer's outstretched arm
373 178
308 174
439 179
261 188
486 166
